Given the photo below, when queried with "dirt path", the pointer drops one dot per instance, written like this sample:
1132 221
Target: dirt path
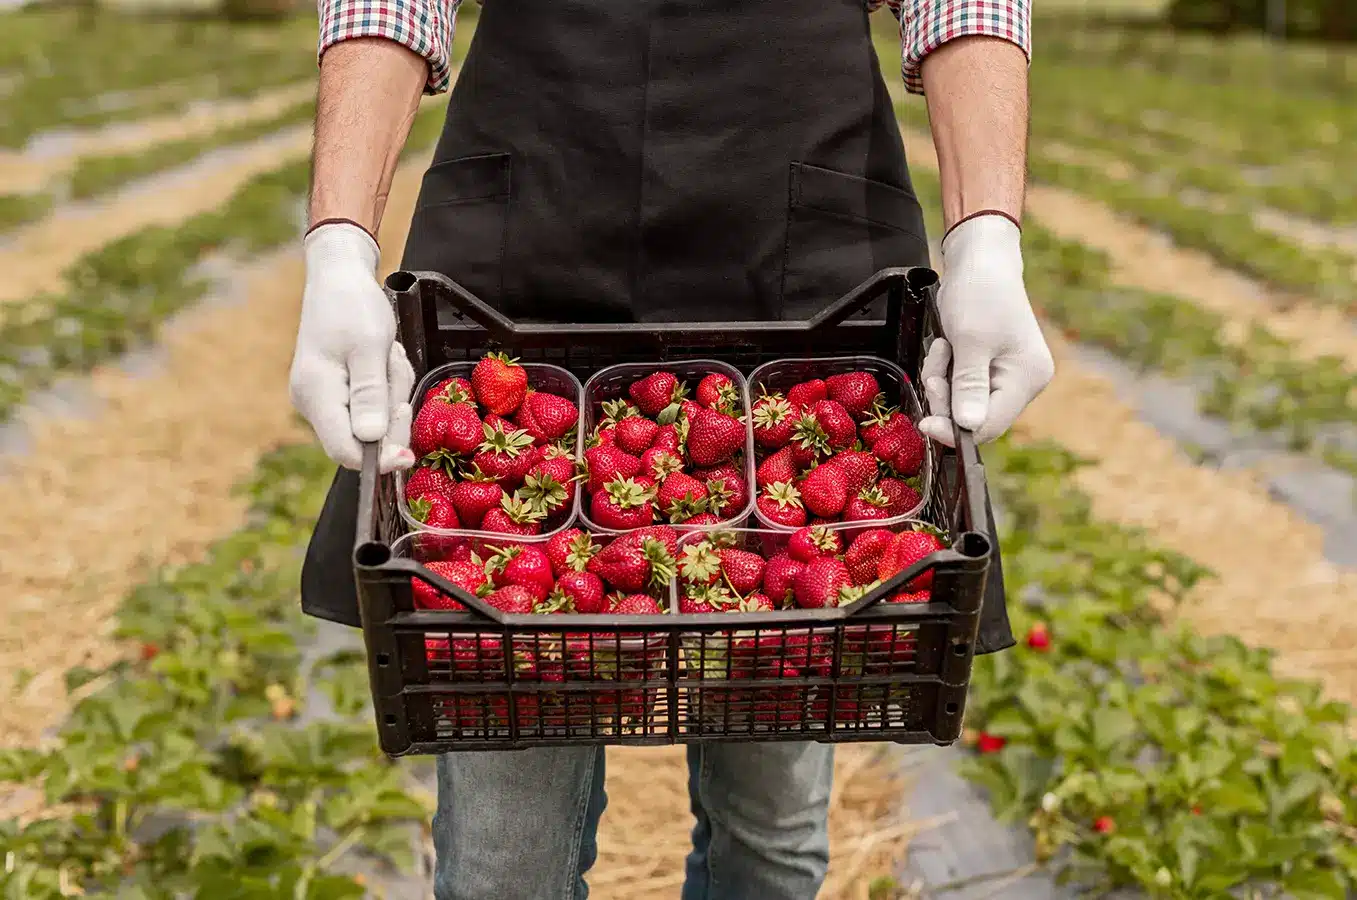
37 254
146 480
25 171
1143 259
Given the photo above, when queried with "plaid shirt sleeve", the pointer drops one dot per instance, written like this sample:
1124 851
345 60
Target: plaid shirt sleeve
425 26
925 25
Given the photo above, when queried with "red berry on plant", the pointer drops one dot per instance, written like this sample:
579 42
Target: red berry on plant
989 743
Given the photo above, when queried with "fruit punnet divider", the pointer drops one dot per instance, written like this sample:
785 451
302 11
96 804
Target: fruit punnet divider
612 382
542 377
892 315
782 374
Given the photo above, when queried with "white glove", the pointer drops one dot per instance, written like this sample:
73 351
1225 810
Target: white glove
1000 361
350 378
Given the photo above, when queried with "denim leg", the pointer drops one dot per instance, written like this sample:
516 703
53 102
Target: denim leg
517 825
762 820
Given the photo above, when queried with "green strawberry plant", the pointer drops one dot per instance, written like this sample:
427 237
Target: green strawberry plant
186 773
1140 753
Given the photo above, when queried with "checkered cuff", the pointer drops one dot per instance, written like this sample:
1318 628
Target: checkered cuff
424 26
925 25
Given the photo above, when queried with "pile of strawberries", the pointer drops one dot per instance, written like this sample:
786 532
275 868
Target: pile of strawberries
832 450
494 454
663 457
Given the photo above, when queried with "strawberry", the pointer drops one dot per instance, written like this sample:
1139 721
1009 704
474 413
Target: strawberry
859 469
704 518
453 390
659 463
774 421
1104 824
570 551
607 463
601 436
622 504
547 417
698 601
1039 638
500 423
671 437
757 602
809 439
901 448
429 479
699 564
901 498
635 434
880 420
824 490
526 566
514 599
780 503
908 548
727 491
717 391
989 743
780 466
505 455
656 391
444 425
681 497
821 583
743 569
633 566
910 597
713 437
856 391
840 429
514 515
560 465
435 511
584 591
500 383
665 534
870 505
637 605
467 576
808 393
813 542
474 496
864 554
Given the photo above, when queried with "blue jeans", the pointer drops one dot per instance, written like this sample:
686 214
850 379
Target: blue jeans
522 825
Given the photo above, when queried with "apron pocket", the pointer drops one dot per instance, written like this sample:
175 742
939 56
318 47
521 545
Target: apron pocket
461 221
840 230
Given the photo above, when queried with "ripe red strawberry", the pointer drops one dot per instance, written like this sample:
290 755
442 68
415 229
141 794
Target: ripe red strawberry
570 551
821 583
824 490
814 542
454 390
444 425
808 393
699 565
713 437
637 605
435 511
560 465
584 591
547 417
727 492
757 602
780 466
780 503
697 601
622 504
880 420
989 743
871 505
910 597
809 440
474 496
635 434
857 391
514 515
1104 825
1039 638
670 437
505 456
656 391
633 566
526 566
659 463
681 497
908 548
429 479
743 569
717 391
705 518
665 534
606 434
859 469
901 498
864 554
513 598
607 463
500 383
902 449
467 576
840 429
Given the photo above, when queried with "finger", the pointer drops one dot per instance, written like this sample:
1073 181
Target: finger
1011 395
369 396
970 385
937 390
939 428
400 376
396 453
326 407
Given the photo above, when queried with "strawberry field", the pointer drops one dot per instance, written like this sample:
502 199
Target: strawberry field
1178 510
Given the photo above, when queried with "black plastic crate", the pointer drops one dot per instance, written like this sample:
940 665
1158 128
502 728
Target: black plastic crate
502 681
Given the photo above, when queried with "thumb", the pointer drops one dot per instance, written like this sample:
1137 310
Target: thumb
368 394
970 384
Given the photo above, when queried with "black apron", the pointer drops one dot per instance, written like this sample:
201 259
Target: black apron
652 161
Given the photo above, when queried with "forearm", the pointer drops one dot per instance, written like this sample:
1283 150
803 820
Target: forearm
978 109
369 92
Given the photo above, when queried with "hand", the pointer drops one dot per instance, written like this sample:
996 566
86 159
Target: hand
350 377
1000 361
